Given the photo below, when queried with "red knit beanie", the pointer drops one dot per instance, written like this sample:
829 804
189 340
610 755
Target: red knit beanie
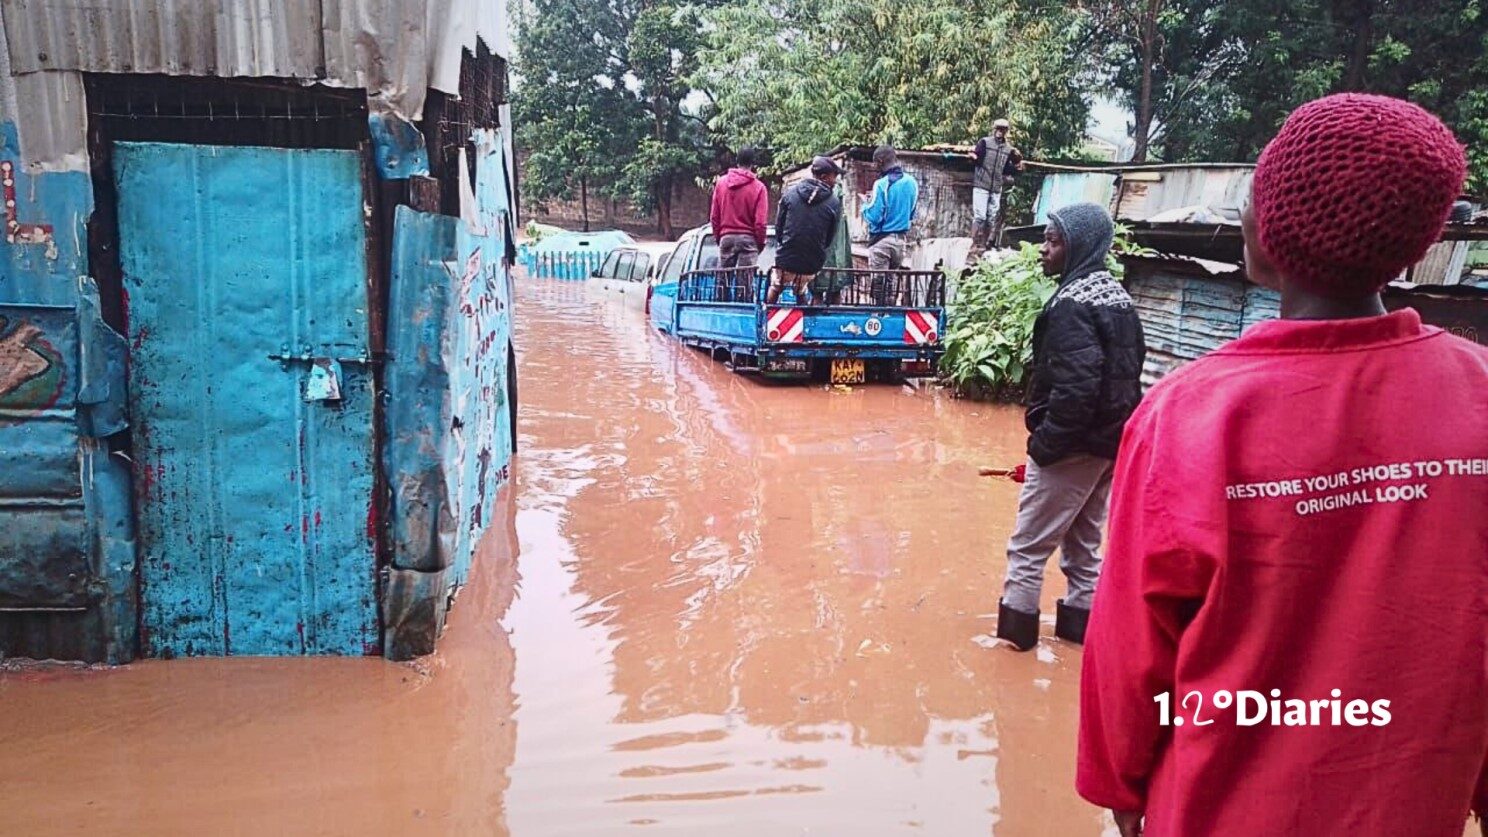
1353 190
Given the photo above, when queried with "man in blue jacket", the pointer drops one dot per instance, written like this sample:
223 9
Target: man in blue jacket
890 211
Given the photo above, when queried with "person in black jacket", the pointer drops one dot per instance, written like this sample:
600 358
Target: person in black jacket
1086 381
804 227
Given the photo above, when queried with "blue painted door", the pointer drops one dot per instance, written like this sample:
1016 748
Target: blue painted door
251 398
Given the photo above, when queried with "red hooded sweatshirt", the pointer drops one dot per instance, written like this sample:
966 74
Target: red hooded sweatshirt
739 206
1305 510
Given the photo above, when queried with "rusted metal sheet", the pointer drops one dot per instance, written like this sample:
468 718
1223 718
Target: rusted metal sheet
175 37
1461 310
1142 195
1188 312
243 267
395 49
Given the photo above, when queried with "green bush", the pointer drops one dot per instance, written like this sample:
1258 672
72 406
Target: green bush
989 330
989 334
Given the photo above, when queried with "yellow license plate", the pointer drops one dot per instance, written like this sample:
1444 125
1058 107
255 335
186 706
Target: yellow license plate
848 371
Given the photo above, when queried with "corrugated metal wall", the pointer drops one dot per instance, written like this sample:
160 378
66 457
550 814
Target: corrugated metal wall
399 51
1185 316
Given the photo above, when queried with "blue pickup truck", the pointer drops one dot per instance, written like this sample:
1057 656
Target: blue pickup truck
854 325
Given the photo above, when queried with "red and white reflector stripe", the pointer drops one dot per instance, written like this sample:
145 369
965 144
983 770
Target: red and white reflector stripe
919 327
785 325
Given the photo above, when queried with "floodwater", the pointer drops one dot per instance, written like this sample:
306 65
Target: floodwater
716 607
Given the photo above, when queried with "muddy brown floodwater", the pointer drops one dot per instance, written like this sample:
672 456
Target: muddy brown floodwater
717 607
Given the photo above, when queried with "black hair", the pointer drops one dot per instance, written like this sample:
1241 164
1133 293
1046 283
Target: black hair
885 156
747 157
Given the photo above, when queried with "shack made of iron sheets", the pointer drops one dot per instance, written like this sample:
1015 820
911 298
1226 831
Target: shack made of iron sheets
944 179
1190 307
256 379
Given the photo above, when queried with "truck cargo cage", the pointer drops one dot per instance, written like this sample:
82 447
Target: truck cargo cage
879 288
722 284
834 286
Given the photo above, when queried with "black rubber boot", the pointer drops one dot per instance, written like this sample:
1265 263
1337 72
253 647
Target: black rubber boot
1017 627
1070 623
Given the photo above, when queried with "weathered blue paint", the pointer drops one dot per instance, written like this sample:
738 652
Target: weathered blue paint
447 420
481 335
66 535
1061 189
720 321
422 527
242 266
398 148
663 313
49 272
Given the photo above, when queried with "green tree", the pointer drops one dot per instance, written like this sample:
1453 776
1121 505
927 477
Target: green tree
801 76
601 102
662 48
574 117
1225 73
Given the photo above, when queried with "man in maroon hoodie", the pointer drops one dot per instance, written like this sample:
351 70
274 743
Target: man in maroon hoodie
1290 633
740 207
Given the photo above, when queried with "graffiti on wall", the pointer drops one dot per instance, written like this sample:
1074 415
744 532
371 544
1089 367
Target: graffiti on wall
30 368
15 231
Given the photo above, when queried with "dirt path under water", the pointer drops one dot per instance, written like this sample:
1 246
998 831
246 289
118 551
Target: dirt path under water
736 608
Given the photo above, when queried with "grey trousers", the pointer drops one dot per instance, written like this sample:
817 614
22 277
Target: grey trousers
1062 506
735 250
888 253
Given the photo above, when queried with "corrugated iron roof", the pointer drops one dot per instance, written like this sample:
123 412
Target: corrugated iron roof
395 49
176 37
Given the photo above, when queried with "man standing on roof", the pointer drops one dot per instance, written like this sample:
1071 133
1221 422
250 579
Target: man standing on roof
1086 380
996 162
1293 551
739 211
804 227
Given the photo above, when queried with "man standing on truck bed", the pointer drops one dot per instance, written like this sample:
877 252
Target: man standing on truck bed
804 227
739 210
889 211
1087 366
996 161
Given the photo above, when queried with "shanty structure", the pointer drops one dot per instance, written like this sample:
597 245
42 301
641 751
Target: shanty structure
256 379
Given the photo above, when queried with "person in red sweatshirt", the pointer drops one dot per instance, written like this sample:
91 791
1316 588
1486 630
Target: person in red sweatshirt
1290 632
738 213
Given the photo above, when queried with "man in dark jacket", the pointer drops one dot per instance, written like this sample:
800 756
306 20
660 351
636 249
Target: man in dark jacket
1087 365
804 226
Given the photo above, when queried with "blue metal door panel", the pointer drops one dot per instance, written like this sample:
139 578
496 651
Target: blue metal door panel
243 268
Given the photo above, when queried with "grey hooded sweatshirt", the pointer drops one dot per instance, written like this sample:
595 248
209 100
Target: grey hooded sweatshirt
1088 348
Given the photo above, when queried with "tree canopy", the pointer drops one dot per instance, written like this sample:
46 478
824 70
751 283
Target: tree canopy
629 97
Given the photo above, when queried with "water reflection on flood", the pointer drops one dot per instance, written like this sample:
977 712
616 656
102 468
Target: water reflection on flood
752 609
